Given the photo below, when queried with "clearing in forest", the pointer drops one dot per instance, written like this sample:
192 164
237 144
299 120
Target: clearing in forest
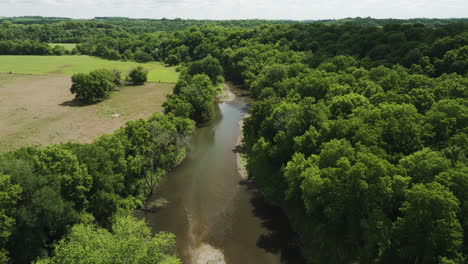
67 46
40 110
69 65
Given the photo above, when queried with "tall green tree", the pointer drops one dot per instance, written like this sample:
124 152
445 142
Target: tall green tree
130 241
9 196
94 86
138 76
428 228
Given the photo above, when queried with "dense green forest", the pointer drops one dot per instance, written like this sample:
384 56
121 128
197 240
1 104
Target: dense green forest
358 130
47 190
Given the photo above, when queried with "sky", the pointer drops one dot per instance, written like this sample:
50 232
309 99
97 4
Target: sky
237 9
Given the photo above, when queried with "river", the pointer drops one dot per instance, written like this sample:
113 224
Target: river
216 215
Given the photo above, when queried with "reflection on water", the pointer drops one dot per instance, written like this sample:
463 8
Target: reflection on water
212 211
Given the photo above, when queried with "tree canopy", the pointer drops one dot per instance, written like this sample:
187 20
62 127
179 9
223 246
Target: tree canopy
138 76
94 86
130 241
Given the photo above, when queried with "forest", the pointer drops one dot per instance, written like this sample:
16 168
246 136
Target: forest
358 131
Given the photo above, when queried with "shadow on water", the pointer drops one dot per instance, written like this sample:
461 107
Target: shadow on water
280 239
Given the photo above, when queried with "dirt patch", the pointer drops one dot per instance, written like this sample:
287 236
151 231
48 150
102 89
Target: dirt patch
206 254
34 111
65 66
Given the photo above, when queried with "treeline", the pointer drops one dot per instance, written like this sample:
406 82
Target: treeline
45 191
368 21
387 43
428 50
58 30
28 47
404 44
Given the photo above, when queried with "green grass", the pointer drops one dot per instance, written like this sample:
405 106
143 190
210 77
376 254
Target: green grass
69 65
67 46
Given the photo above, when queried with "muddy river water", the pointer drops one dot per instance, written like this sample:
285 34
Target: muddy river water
216 215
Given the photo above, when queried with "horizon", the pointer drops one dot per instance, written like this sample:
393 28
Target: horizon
207 19
297 10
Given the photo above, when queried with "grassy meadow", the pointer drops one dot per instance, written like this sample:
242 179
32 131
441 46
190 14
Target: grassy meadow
69 65
67 46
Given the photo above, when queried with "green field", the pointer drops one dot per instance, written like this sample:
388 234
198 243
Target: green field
69 65
67 46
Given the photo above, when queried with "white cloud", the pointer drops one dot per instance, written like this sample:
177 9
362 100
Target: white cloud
235 9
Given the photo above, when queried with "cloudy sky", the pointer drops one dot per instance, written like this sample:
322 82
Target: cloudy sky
237 9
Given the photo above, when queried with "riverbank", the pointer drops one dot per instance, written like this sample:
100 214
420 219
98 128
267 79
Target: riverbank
228 96
240 159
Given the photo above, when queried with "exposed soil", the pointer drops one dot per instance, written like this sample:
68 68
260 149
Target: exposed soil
40 110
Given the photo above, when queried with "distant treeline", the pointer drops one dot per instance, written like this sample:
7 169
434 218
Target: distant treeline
429 50
65 30
31 47
368 21
432 51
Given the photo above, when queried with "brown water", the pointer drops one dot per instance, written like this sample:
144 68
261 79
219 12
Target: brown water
217 216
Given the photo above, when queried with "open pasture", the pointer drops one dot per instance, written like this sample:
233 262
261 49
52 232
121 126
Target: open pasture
40 110
67 46
69 65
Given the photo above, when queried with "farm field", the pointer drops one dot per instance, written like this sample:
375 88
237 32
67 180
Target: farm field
67 46
39 110
69 65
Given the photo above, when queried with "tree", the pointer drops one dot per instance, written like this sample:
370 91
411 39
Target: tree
193 95
138 76
107 179
209 66
428 228
345 104
130 242
457 181
43 214
424 165
94 86
447 117
142 56
175 105
9 195
454 61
